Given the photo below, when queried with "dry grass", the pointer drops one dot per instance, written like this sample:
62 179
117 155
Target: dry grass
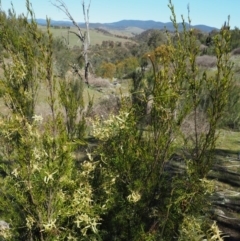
95 36
99 82
228 140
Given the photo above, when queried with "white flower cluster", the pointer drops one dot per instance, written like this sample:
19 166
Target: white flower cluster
17 69
38 118
29 222
5 233
50 225
134 197
105 129
85 222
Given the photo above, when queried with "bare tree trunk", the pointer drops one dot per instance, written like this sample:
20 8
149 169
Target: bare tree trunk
83 37
86 40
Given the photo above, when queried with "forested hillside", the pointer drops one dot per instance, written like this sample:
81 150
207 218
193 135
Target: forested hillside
117 140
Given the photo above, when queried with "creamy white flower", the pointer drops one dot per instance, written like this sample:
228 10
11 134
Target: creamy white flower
49 177
134 197
15 172
29 222
38 118
50 225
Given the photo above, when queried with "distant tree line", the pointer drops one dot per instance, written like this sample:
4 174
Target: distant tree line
60 27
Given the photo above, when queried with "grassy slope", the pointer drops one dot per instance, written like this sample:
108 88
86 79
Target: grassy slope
95 36
129 32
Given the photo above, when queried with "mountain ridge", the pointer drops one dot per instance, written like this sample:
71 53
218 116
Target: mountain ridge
123 24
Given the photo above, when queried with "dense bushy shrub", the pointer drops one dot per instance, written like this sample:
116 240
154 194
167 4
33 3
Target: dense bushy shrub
235 38
153 200
44 194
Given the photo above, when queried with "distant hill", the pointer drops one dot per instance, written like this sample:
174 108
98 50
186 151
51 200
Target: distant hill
124 24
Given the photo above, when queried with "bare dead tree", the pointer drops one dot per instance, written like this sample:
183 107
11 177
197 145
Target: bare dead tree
66 39
84 37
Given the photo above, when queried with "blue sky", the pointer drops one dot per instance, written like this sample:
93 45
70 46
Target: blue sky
208 12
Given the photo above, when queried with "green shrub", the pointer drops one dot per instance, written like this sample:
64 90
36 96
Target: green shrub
44 193
151 199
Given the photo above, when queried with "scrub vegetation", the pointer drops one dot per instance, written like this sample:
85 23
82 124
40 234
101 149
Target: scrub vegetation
126 152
